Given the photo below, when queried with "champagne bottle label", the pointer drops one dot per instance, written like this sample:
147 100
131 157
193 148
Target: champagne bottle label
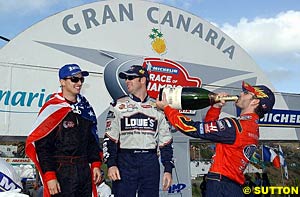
173 96
226 98
190 98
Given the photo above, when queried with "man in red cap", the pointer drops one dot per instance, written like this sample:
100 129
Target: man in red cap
236 138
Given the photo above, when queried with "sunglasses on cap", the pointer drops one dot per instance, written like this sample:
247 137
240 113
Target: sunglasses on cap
131 77
76 79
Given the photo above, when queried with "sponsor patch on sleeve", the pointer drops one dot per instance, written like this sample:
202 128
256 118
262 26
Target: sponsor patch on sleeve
210 127
201 130
110 115
108 125
228 122
221 125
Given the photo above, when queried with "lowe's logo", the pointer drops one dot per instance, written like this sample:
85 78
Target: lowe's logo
131 122
138 121
176 188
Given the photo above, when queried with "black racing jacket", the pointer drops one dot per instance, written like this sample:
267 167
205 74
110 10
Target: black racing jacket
71 138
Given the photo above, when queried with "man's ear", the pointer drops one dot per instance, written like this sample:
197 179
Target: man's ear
143 80
255 101
62 82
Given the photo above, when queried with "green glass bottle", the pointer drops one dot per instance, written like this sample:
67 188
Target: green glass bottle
192 98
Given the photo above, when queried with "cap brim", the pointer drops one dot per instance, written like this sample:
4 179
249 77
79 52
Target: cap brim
83 73
248 87
123 75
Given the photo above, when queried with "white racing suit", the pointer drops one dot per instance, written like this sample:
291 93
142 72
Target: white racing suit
134 131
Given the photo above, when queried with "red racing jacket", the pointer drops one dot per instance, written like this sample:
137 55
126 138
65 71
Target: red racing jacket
236 138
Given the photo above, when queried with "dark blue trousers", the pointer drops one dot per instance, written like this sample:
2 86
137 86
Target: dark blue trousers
223 188
139 174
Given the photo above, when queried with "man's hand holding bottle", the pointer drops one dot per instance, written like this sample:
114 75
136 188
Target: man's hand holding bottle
222 102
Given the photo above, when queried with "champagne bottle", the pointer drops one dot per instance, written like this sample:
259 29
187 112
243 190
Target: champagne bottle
192 98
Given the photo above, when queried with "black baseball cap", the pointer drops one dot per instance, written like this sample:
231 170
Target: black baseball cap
135 70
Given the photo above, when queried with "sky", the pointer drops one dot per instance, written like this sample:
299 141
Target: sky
269 30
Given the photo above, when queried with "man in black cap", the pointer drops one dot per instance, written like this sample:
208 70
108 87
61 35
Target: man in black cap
135 130
237 138
63 142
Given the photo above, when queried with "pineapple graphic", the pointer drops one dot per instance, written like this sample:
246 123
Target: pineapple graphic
158 42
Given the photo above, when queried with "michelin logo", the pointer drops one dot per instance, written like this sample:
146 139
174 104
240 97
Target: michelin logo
161 69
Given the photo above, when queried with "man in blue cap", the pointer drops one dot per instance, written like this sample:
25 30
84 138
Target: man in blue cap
63 142
135 130
236 138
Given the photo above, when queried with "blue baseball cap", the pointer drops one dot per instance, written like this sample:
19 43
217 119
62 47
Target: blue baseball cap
135 70
69 70
263 93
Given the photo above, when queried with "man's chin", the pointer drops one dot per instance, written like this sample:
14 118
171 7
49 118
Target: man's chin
77 91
